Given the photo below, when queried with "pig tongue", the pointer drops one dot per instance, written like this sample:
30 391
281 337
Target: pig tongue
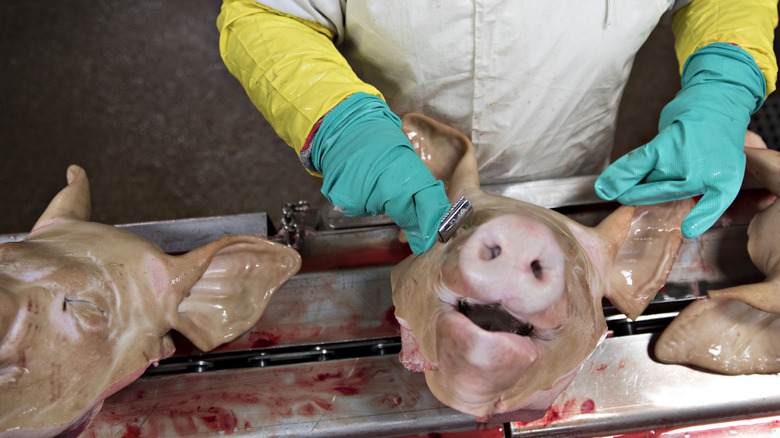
493 317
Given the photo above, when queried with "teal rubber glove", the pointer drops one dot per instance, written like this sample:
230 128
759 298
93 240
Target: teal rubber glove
369 167
700 146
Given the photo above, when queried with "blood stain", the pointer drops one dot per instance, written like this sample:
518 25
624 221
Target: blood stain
240 398
219 420
131 431
346 390
588 407
264 339
322 404
325 376
551 416
307 409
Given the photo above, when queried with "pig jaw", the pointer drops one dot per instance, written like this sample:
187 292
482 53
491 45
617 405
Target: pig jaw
486 373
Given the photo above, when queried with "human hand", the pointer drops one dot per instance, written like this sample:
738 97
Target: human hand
369 167
699 148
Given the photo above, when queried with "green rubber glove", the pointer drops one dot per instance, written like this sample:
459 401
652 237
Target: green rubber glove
369 167
700 146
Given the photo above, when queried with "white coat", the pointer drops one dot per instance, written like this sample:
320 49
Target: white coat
534 84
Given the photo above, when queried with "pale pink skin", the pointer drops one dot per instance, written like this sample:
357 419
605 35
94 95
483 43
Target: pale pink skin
85 308
737 330
542 267
536 264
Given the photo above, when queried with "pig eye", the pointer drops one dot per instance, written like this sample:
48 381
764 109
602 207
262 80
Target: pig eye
86 313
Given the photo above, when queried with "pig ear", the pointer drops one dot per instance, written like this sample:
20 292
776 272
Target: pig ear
239 275
446 151
612 230
721 335
72 202
646 255
763 296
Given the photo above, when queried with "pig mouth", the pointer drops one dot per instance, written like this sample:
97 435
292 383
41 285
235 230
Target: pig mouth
494 318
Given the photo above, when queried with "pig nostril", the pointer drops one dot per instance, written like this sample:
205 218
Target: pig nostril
491 252
536 268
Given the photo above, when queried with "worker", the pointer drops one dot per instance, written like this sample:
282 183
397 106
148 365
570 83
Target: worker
534 84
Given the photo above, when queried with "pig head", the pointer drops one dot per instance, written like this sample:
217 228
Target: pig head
737 330
85 308
502 317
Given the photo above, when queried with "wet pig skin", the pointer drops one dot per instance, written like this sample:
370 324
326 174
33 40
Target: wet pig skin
542 274
85 308
737 330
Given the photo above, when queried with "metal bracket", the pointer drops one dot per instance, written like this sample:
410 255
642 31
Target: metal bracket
292 223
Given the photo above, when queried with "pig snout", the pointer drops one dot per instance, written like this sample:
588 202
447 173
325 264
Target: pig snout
516 262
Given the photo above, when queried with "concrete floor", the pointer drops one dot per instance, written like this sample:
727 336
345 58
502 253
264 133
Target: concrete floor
136 93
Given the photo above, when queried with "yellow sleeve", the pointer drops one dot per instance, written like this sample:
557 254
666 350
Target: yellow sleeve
749 24
288 66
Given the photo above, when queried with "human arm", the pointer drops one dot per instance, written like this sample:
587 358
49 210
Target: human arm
295 76
729 68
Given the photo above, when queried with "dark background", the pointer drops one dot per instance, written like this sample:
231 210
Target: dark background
137 94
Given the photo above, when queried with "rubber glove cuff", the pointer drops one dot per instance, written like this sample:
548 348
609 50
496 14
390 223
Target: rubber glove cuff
699 148
723 64
369 167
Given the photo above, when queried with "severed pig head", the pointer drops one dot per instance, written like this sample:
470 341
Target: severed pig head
85 308
502 317
737 330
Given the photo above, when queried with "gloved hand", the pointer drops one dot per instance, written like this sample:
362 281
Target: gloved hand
370 167
699 148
